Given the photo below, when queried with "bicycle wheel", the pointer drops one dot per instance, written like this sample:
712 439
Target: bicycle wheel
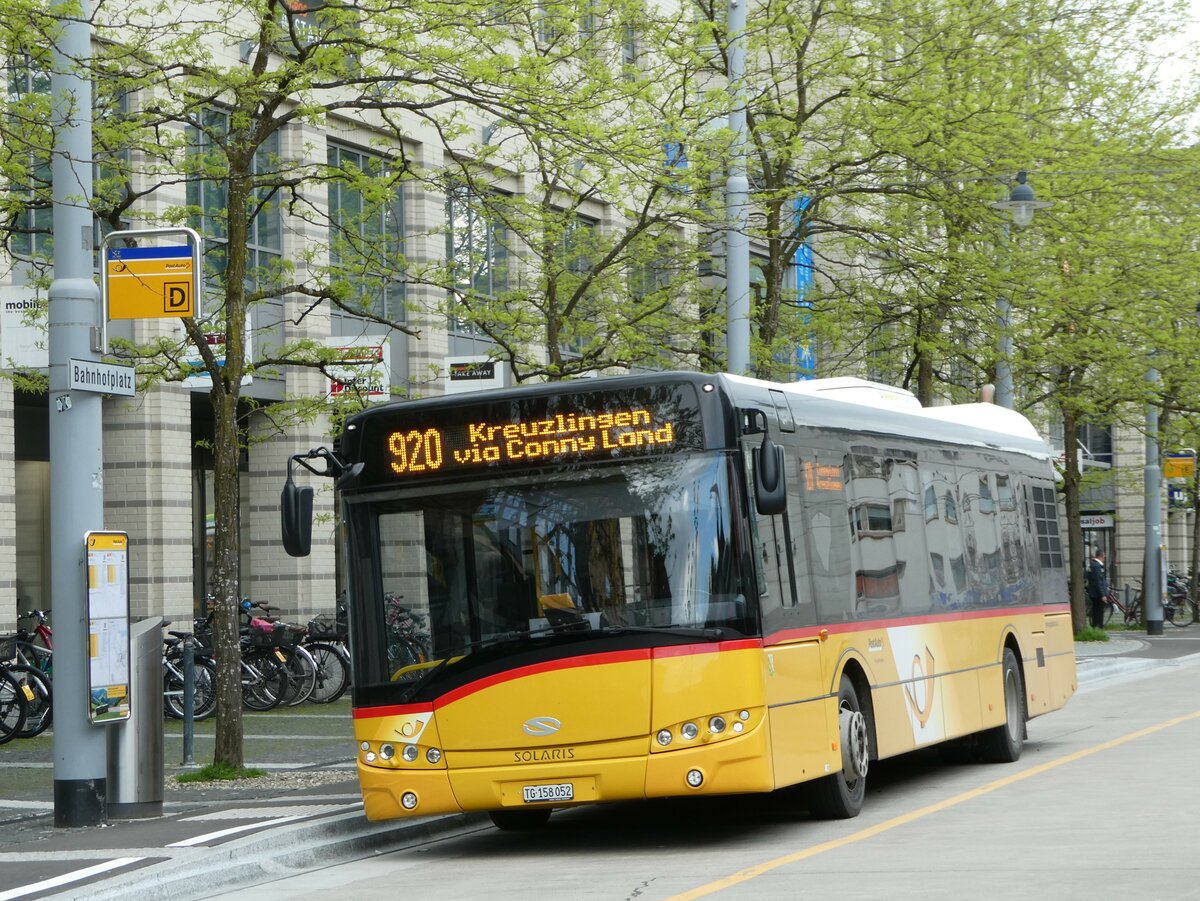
264 678
302 670
333 673
1110 607
13 704
1133 613
204 690
38 712
1178 613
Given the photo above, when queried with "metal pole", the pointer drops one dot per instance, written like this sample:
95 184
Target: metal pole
1004 377
189 701
1152 578
737 211
76 460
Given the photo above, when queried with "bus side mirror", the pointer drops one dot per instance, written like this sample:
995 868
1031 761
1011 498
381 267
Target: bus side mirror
295 518
770 488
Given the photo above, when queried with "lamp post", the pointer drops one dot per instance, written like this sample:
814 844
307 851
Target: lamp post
1021 204
737 188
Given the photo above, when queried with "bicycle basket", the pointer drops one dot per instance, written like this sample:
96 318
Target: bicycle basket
265 636
325 628
288 635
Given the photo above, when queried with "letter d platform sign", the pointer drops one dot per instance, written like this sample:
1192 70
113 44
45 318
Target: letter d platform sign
151 281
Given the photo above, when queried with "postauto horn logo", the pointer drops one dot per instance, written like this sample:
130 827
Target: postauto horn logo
541 725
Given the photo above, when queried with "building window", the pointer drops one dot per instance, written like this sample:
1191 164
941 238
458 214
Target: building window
210 198
629 51
366 235
985 496
950 507
575 247
477 254
1004 493
28 97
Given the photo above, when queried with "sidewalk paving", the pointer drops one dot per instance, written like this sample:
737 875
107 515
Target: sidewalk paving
307 807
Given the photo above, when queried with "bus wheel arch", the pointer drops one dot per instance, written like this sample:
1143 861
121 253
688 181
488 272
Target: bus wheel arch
840 795
1003 743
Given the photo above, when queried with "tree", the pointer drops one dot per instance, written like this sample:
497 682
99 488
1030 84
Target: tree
569 241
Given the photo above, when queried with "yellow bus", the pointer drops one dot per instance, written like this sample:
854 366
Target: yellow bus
686 584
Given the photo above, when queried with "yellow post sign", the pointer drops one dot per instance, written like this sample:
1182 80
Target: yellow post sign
1179 466
150 282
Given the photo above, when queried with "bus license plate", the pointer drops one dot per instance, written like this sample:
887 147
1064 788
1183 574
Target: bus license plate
564 791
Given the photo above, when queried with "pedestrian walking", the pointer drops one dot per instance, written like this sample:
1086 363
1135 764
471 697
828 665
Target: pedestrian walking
1097 589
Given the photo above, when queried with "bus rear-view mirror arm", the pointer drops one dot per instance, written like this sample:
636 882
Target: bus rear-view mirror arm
296 502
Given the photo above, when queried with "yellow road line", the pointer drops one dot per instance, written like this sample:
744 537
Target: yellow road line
759 869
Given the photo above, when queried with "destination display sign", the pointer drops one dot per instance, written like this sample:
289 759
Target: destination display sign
532 432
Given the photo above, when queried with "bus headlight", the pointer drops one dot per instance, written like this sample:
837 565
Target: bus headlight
695 778
716 725
387 752
664 737
410 753
433 755
689 731
408 800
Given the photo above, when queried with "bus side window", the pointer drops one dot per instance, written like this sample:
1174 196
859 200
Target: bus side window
824 532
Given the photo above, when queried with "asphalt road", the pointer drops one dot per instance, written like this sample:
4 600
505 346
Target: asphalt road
1094 809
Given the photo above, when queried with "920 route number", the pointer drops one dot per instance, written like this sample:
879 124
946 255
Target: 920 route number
563 791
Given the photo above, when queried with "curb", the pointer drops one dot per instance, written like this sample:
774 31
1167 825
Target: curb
270 854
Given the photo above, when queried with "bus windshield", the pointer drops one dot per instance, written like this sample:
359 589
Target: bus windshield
650 545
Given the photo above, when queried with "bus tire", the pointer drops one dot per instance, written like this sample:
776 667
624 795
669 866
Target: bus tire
840 795
515 820
1003 743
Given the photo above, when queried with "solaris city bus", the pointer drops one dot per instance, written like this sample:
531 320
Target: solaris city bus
686 584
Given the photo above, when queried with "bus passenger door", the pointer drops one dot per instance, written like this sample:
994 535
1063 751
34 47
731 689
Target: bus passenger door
792 649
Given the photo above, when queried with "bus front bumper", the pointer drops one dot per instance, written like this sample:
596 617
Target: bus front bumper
737 766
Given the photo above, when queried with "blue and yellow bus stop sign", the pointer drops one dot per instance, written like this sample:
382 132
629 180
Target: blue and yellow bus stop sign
150 282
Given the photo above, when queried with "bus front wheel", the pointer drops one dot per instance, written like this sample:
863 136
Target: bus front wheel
840 796
1003 743
513 820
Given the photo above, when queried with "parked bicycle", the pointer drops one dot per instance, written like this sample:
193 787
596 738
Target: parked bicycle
326 641
1130 610
204 678
14 701
34 685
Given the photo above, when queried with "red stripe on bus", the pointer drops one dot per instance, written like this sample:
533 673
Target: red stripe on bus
687 650
868 624
366 713
535 669
554 665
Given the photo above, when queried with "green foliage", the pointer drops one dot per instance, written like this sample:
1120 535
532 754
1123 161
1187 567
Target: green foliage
220 772
1091 633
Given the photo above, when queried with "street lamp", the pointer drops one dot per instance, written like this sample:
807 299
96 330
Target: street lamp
1021 204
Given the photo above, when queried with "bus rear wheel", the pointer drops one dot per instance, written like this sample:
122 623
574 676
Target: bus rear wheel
514 820
1003 743
840 795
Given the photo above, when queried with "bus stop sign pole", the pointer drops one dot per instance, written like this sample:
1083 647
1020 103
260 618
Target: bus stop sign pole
76 460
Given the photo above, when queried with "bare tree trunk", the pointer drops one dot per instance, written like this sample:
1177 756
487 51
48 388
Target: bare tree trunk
227 448
226 580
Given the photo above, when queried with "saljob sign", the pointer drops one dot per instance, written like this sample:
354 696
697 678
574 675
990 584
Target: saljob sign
108 626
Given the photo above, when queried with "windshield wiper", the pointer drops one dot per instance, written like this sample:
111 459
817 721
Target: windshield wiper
458 653
708 634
